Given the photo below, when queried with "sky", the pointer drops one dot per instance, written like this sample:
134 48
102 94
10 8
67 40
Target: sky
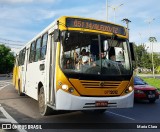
21 20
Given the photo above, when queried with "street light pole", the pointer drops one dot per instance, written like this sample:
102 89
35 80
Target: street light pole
153 62
107 9
152 40
140 38
149 21
114 9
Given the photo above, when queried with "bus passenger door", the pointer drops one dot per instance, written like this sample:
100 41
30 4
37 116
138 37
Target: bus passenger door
24 70
52 71
22 78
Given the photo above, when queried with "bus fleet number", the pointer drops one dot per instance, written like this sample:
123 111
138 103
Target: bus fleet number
111 92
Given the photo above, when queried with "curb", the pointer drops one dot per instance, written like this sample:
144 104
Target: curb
4 75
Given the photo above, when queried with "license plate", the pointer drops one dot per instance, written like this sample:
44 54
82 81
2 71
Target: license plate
151 96
101 103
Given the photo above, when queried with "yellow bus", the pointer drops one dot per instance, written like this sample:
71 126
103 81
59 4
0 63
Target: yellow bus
77 64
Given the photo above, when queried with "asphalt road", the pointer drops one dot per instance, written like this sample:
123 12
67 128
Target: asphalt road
18 109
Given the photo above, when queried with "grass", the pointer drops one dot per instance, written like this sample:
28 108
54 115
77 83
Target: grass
153 82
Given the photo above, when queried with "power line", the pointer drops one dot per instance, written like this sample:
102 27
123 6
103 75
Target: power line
11 40
15 48
11 44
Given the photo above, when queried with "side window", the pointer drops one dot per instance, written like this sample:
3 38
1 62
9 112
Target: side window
19 58
16 61
32 52
38 47
22 57
44 46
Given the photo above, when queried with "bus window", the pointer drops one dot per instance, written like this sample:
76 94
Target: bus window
38 46
44 46
32 52
22 57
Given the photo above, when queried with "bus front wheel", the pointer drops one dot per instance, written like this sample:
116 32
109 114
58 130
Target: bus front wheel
43 108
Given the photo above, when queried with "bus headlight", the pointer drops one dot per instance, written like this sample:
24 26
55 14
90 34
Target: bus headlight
130 88
65 87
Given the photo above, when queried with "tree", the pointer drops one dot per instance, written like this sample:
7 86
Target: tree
142 56
6 59
156 57
144 59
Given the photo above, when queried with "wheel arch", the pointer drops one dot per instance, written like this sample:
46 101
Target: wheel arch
40 84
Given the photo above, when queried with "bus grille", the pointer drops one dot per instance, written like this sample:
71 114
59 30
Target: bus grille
100 84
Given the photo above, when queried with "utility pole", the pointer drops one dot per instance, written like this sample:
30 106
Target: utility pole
127 21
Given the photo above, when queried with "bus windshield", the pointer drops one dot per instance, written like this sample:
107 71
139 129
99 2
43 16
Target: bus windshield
91 53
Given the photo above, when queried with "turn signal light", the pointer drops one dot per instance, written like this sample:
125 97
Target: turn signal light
71 90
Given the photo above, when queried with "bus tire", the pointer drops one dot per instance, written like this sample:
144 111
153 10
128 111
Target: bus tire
19 89
43 108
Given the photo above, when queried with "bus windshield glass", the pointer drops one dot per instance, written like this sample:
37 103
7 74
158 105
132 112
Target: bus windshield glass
91 53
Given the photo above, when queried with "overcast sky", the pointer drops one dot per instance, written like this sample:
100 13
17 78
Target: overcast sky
21 20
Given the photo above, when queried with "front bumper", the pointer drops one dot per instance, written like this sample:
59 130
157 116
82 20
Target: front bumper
66 101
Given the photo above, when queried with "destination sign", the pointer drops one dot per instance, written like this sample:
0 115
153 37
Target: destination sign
94 25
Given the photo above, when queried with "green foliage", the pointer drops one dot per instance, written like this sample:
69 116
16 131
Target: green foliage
144 59
6 59
153 82
142 56
152 39
158 69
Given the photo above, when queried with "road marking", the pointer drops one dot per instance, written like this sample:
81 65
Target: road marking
4 86
6 82
120 115
9 119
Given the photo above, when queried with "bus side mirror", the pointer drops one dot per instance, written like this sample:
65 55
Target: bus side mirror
132 51
56 34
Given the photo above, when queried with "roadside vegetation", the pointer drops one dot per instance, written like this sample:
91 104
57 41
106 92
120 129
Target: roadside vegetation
143 60
6 59
153 82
